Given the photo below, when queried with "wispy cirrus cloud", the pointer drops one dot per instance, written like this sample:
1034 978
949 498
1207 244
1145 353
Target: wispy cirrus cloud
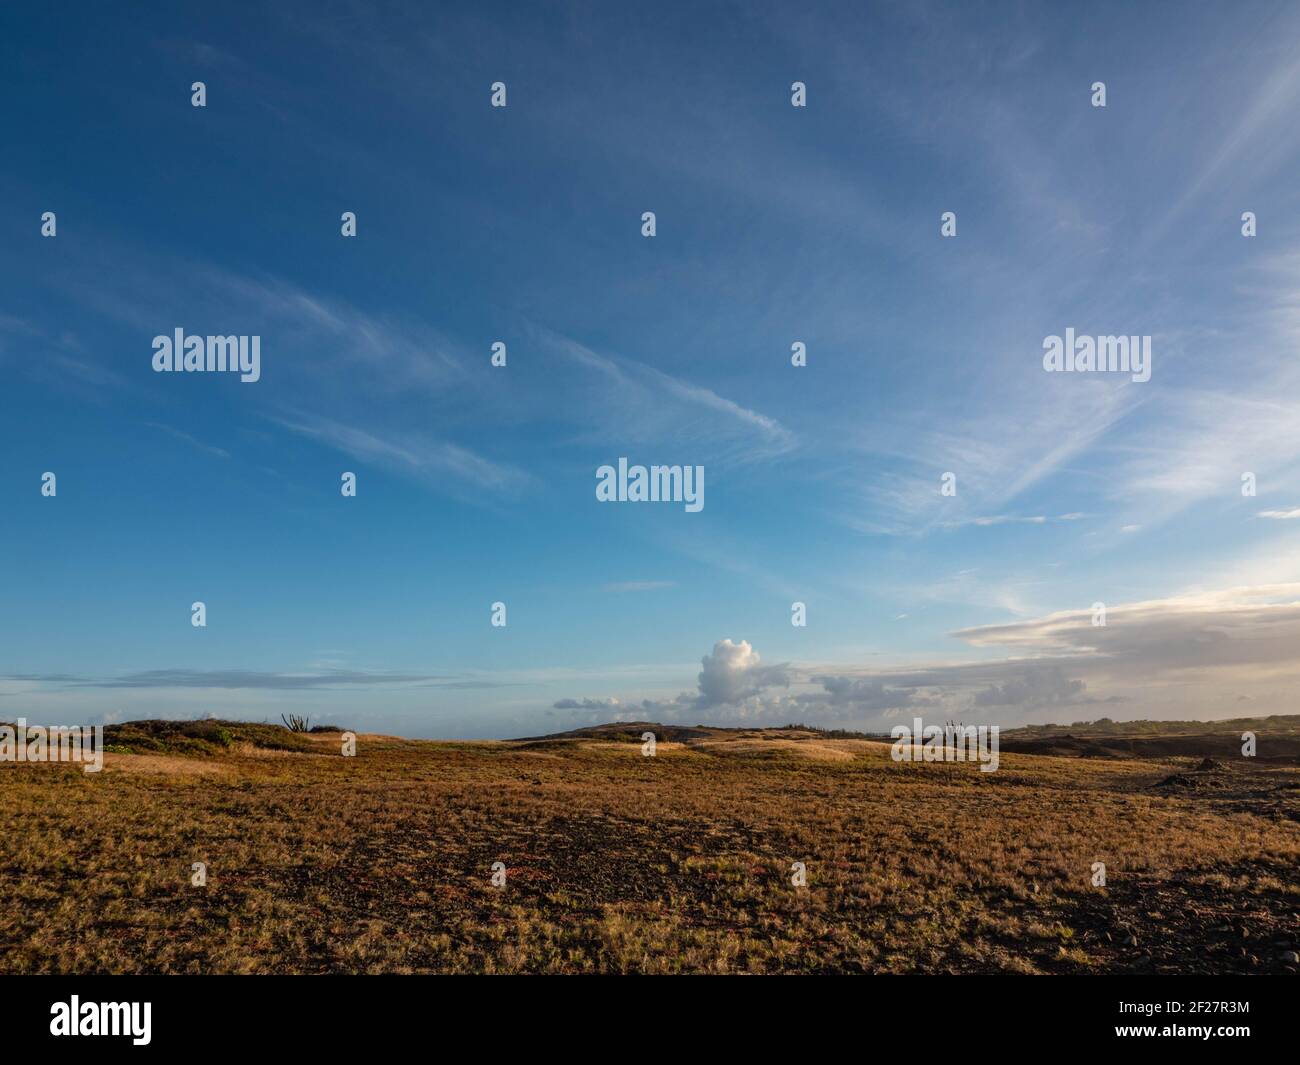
1054 424
1013 519
641 404
411 453
178 434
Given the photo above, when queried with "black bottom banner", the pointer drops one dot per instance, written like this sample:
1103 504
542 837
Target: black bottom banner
151 1014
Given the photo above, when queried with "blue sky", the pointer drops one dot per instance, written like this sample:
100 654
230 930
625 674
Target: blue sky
775 224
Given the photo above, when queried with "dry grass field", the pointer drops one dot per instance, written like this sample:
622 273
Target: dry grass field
617 862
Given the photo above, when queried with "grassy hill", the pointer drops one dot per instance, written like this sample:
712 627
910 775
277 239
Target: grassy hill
383 862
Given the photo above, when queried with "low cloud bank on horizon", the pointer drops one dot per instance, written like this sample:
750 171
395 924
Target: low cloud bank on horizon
1212 654
1228 653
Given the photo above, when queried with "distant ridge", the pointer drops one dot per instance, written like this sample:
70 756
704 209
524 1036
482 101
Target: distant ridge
630 731
1278 736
